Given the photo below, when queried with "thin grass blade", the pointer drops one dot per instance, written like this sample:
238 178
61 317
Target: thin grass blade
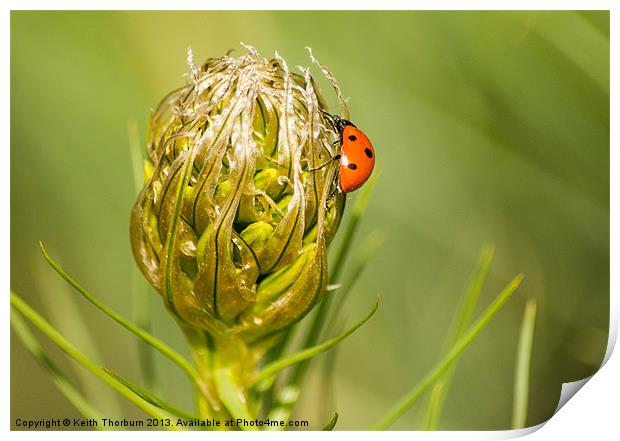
319 318
367 251
45 327
466 310
136 154
330 426
436 400
326 387
522 368
444 364
61 307
356 215
153 399
141 299
74 396
285 400
276 366
162 347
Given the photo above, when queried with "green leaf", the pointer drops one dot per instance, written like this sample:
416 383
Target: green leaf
162 347
153 399
330 426
522 369
74 396
444 364
466 310
277 365
74 353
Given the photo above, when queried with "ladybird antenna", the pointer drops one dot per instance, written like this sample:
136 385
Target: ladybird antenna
334 120
326 114
330 76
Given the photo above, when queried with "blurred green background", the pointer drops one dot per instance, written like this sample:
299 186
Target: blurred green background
490 127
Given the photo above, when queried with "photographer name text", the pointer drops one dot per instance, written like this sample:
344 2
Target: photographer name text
164 423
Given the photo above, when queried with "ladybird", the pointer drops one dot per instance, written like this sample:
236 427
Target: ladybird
357 156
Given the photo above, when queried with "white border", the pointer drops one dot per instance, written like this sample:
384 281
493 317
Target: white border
593 414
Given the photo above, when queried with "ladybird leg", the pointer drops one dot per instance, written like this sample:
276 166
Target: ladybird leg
329 161
336 190
333 193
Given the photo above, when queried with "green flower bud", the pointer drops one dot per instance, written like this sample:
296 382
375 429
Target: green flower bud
233 223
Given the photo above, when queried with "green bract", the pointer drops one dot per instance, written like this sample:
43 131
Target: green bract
233 223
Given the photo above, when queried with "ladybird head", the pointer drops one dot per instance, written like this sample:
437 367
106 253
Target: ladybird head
337 123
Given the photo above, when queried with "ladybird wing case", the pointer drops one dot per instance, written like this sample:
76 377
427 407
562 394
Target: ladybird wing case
358 159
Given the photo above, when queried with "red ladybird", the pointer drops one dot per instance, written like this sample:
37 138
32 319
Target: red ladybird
357 157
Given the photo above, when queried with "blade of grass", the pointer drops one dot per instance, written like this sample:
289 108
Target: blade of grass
436 400
139 332
61 306
45 327
465 312
314 330
320 317
65 386
141 298
153 399
363 256
142 317
522 368
477 281
444 364
135 153
305 354
356 215
286 398
330 426
367 251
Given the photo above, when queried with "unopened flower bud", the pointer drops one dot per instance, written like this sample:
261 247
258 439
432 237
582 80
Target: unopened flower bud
233 223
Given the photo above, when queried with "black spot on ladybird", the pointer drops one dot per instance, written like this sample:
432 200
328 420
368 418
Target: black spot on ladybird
352 166
368 152
352 138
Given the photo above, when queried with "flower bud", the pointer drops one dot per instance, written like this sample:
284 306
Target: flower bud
233 223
